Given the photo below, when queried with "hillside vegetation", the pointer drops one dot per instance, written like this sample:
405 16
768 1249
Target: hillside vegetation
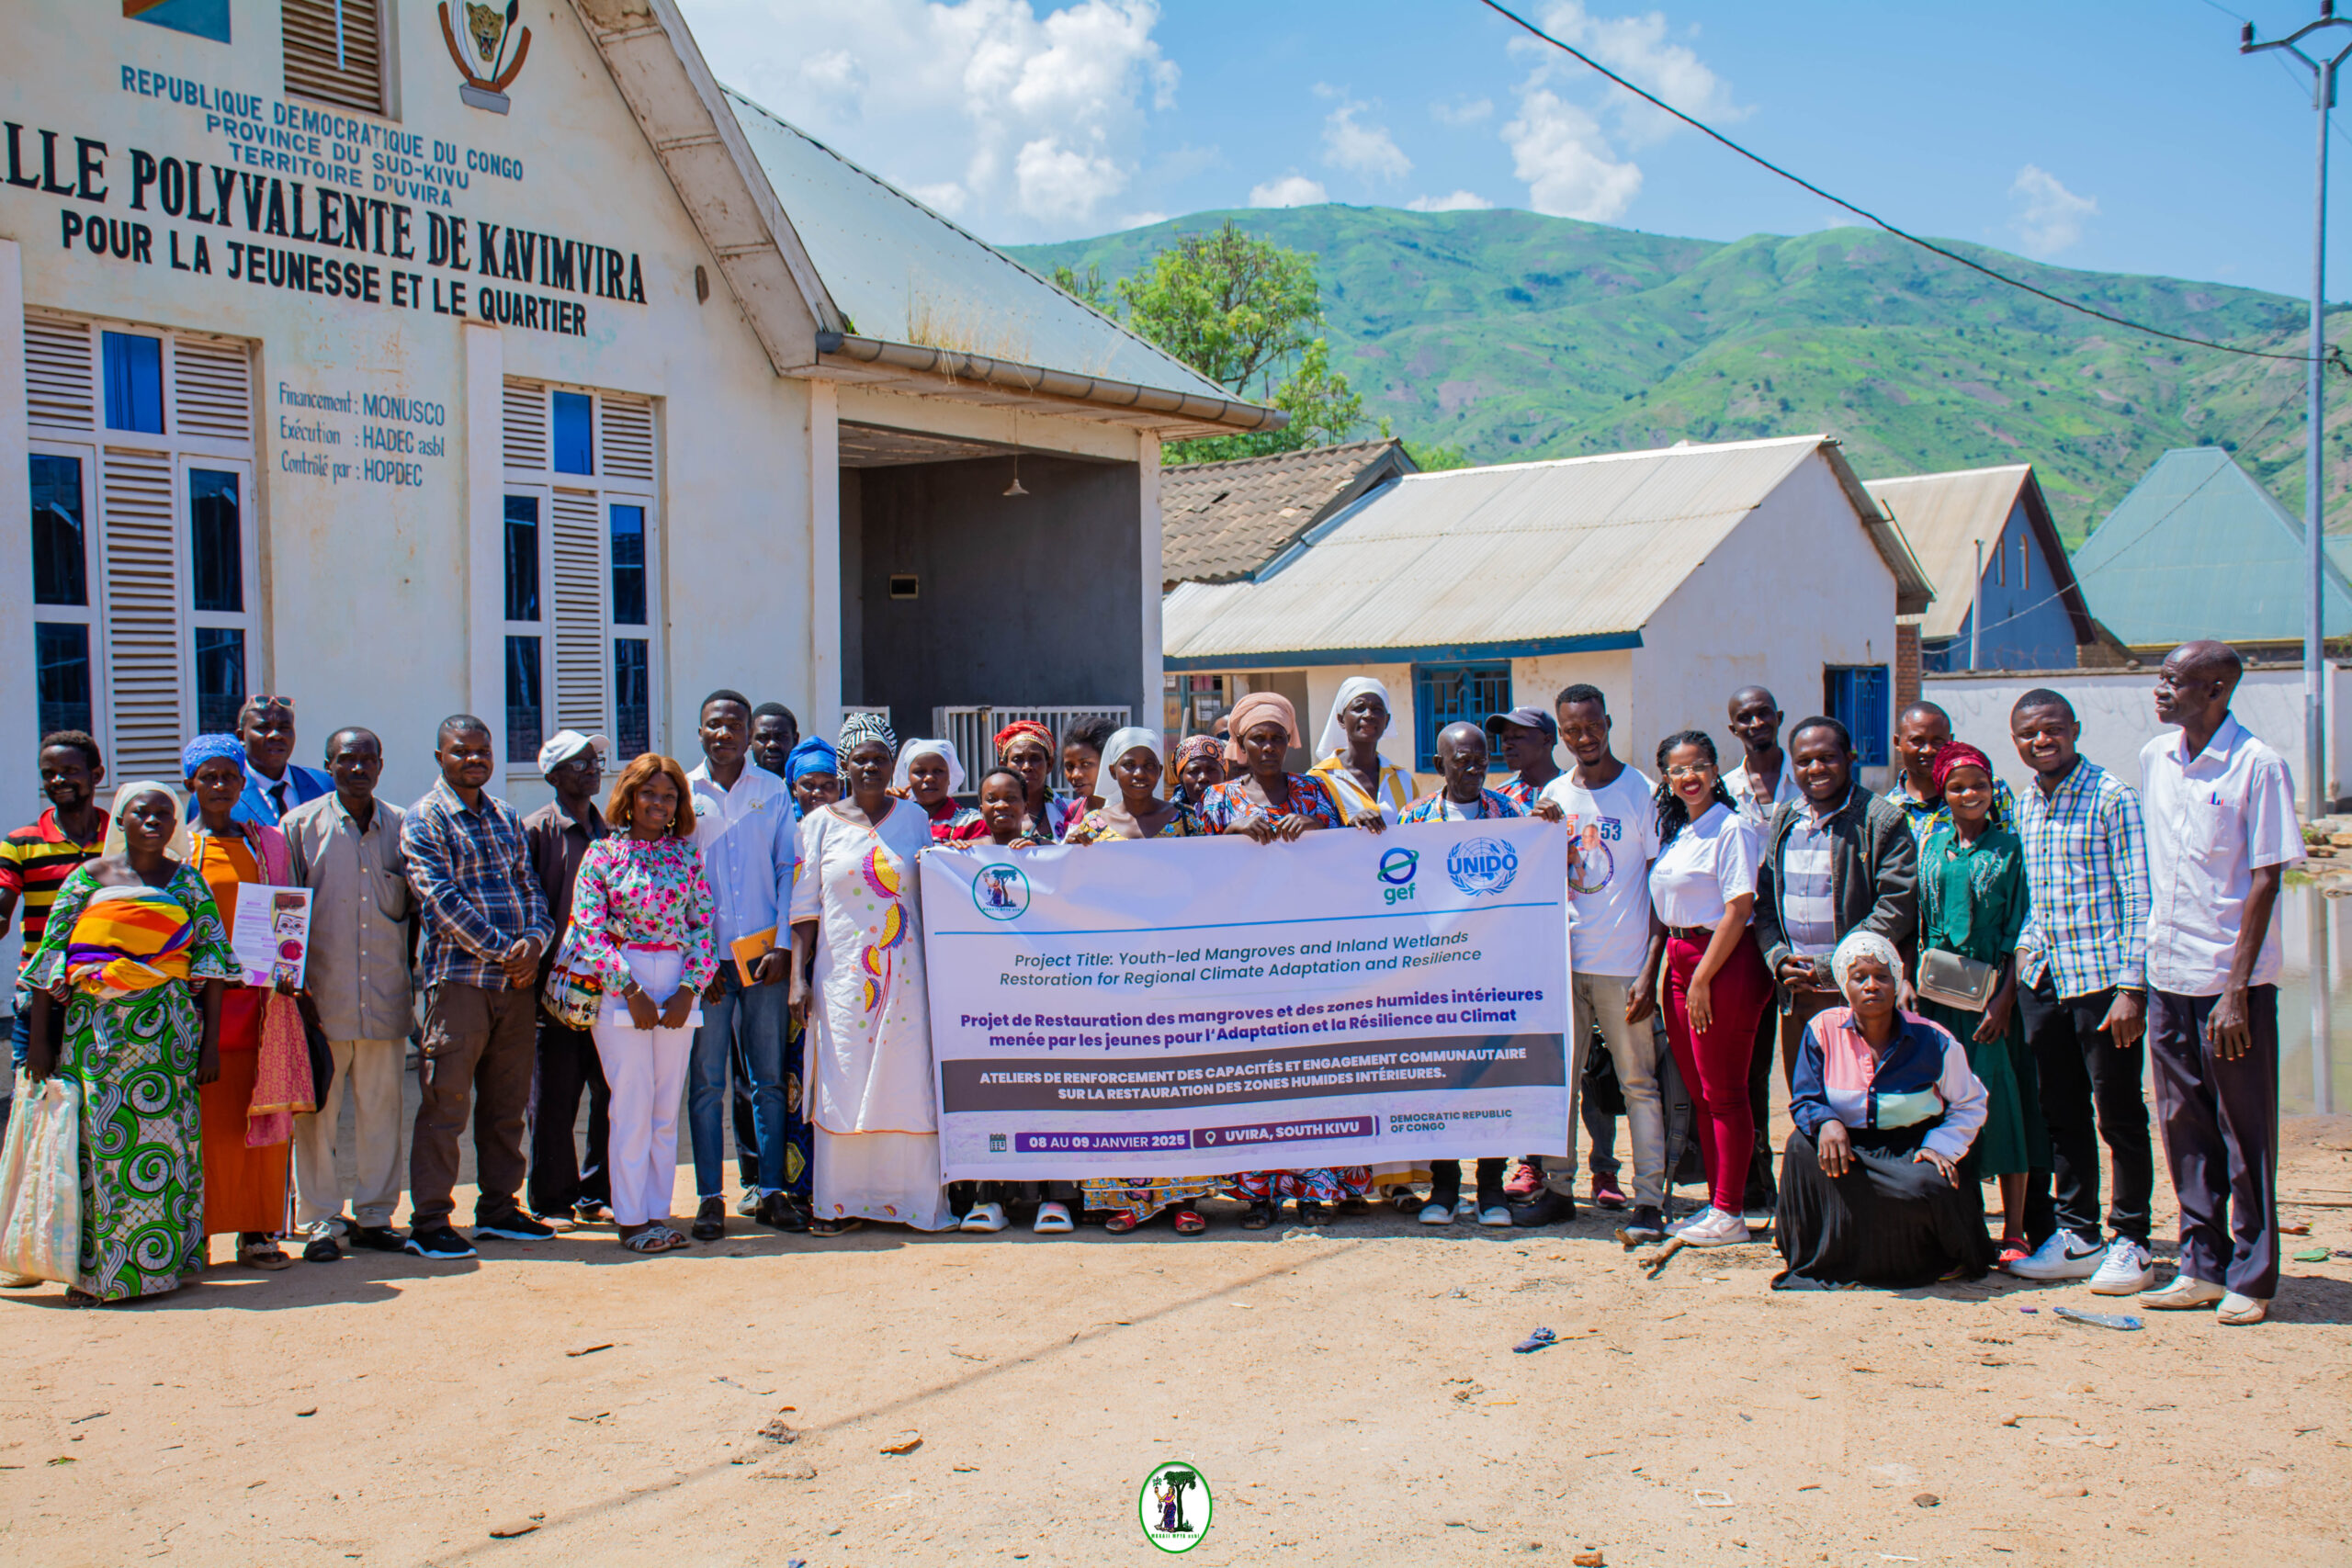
1514 336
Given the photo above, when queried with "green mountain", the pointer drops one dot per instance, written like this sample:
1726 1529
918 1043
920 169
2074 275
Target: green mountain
1515 336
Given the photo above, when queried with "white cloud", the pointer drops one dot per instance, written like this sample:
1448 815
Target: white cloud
1559 150
1461 111
1291 191
1022 121
1571 139
1142 219
1460 201
1365 150
2049 217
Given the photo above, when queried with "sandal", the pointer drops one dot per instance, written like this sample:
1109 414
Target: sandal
655 1238
834 1227
1187 1223
260 1252
77 1297
1121 1223
1053 1219
1311 1214
1260 1216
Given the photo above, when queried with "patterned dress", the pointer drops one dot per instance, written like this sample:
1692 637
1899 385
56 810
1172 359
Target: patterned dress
1226 808
133 1058
954 824
1492 805
1137 1198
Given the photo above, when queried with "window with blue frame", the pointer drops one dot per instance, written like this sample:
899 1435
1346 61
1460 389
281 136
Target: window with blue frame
1449 694
575 445
219 677
134 382
62 676
216 548
522 557
61 553
632 696
526 703
1857 696
628 565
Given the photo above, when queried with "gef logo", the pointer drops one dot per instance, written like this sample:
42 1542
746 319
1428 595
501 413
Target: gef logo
1395 871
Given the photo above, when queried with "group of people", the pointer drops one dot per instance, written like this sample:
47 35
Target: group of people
1956 982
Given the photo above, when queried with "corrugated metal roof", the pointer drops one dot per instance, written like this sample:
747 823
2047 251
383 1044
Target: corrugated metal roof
1220 521
1583 546
1944 515
2199 549
900 272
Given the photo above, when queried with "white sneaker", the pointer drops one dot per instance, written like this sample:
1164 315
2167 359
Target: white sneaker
1437 1214
987 1217
1712 1227
2124 1271
2238 1309
2064 1256
2184 1294
1497 1217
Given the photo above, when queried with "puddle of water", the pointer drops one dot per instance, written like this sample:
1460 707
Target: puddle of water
2309 1081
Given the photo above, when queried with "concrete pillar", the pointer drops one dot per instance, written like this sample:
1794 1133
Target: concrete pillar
1148 714
824 705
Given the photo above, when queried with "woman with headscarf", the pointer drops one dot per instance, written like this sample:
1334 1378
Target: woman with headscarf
125 993
814 775
931 774
1871 1189
1972 905
1260 796
857 979
264 1065
1199 768
1028 748
1349 764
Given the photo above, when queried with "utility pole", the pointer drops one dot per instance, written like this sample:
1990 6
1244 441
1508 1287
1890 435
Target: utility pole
2322 70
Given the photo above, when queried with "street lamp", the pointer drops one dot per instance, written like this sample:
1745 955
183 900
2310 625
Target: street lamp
2322 70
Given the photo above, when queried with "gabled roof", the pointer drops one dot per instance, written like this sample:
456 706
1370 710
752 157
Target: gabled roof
1944 515
1223 521
1519 558
2199 549
839 271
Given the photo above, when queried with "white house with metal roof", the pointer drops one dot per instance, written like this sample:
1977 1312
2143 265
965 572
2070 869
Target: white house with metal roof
1669 578
509 365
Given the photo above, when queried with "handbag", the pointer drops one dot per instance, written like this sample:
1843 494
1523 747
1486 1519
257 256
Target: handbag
41 1183
572 996
1956 982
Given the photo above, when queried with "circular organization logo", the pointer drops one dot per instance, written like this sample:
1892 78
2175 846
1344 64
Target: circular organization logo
1174 1506
1000 892
1398 866
1482 866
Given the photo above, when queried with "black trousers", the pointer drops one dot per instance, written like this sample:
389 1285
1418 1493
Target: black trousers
1445 1180
2090 1094
560 1177
2221 1139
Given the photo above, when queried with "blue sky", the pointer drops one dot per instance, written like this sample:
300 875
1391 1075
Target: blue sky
2108 137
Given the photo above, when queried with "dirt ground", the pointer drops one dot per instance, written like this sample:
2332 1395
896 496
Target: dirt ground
1350 1398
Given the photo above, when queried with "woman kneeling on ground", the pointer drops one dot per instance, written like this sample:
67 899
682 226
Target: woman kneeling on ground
1873 1187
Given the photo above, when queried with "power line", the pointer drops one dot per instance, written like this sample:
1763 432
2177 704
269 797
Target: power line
2334 357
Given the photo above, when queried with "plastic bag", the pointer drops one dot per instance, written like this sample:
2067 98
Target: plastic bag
40 1184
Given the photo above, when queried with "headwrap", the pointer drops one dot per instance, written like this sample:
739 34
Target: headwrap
860 727
1019 728
127 940
1193 746
814 755
944 749
1860 945
1335 739
117 844
1254 710
1122 741
205 748
1958 754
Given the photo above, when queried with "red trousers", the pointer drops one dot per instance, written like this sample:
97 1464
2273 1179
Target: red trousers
1715 1062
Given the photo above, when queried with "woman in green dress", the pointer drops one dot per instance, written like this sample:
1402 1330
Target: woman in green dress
1973 902
136 954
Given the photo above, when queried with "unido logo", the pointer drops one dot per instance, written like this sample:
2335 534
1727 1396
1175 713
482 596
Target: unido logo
1482 866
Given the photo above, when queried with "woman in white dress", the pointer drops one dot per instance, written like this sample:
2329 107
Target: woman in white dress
855 913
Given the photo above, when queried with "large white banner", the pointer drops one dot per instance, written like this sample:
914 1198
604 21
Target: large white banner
1194 1006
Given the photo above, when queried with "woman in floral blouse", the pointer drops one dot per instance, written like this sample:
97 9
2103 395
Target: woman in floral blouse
640 927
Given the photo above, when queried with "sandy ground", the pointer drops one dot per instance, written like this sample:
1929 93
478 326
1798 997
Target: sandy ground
1349 1396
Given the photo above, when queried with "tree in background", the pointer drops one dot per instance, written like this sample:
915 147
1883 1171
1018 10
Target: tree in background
1242 311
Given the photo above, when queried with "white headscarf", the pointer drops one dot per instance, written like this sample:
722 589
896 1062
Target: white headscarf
1122 741
1333 738
944 749
116 843
1859 946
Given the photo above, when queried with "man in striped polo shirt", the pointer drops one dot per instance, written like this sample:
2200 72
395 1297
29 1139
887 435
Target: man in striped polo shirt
34 860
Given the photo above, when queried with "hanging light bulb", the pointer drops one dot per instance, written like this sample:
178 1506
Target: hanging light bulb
1014 487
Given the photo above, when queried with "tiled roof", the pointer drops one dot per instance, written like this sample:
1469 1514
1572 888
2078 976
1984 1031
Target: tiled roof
1220 522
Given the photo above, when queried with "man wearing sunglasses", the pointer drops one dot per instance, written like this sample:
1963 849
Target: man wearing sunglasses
275 783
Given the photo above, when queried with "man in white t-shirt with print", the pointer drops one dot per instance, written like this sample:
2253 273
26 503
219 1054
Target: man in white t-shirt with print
1612 816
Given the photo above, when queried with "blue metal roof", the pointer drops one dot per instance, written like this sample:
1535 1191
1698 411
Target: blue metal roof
900 272
2199 549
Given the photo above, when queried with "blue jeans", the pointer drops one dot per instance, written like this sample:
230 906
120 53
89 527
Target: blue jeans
754 1019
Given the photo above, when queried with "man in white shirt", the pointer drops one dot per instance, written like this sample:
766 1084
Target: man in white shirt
2222 831
1614 943
745 828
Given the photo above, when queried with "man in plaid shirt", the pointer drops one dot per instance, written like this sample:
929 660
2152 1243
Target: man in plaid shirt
485 923
2083 994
